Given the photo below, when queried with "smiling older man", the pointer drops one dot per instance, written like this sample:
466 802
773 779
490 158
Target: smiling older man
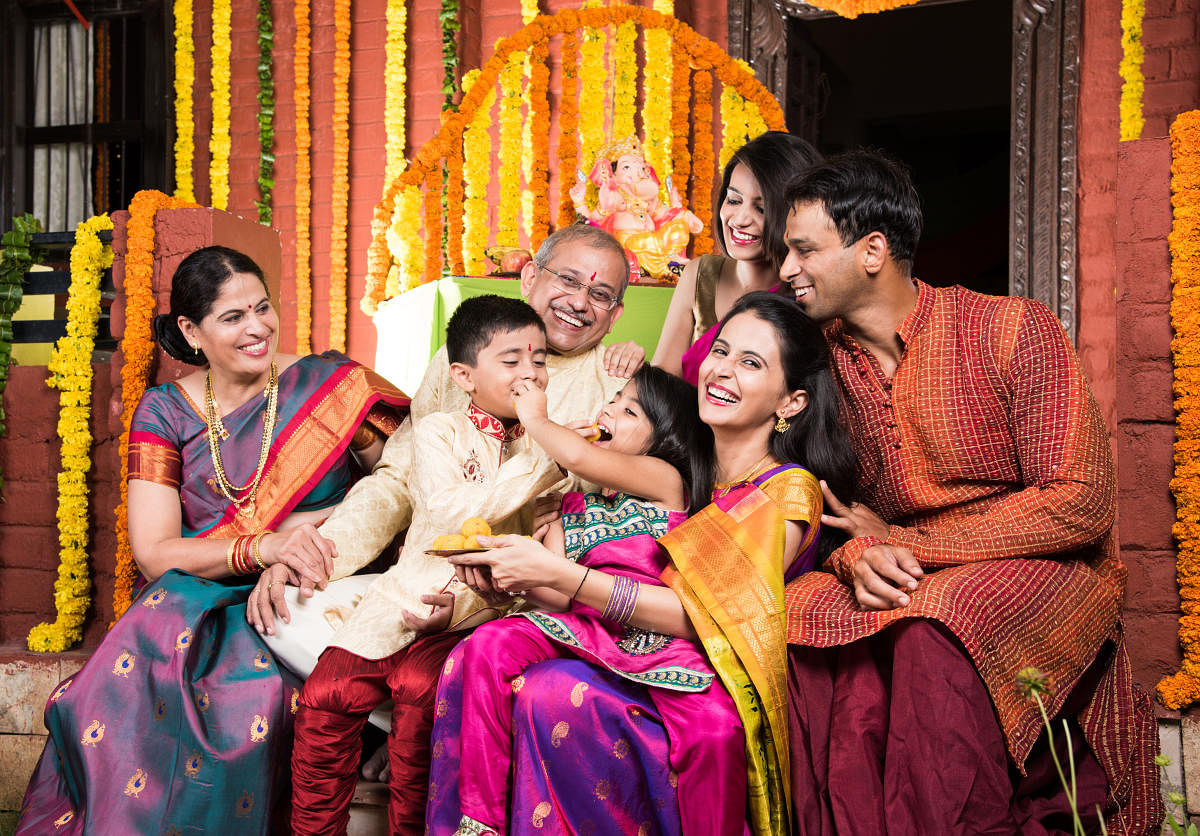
575 283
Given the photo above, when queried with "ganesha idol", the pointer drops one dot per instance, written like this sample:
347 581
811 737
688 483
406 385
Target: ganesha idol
627 205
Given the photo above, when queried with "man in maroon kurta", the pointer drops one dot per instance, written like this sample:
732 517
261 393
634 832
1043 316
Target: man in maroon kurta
982 544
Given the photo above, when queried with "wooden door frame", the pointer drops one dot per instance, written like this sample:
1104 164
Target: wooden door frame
1043 204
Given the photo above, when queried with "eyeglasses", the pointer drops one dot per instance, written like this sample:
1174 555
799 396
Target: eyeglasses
599 298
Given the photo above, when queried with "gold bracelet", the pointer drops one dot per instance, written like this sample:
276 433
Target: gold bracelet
254 547
229 555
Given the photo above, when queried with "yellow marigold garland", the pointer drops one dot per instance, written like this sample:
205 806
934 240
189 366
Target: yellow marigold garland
137 351
1183 688
529 10
71 374
703 167
340 209
395 82
510 151
625 74
185 78
477 167
1132 81
219 141
658 69
593 90
404 241
433 153
756 125
303 96
733 123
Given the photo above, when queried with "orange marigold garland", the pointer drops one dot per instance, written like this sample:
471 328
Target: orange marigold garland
854 8
539 181
1183 688
341 176
303 98
568 124
137 351
433 224
703 168
455 198
681 99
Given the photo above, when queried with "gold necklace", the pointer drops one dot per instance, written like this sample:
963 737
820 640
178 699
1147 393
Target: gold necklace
216 430
746 475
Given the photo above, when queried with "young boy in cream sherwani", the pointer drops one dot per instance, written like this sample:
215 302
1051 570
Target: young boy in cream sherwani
473 463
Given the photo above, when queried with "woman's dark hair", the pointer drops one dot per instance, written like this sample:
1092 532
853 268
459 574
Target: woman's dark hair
816 438
194 290
677 435
774 158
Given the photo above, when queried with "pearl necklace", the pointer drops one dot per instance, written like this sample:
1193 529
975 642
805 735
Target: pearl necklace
216 430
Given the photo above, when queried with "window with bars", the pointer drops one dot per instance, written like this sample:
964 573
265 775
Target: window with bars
86 107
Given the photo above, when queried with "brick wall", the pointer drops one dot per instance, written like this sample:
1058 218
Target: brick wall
1124 291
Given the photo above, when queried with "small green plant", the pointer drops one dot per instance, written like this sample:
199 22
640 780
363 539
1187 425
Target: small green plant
16 256
1176 813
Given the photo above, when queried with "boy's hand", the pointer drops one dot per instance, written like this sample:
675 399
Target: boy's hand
437 620
529 401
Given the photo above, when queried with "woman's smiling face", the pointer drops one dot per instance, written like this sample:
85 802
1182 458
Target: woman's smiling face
742 216
742 381
239 335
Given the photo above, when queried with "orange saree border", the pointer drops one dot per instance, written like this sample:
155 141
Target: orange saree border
306 448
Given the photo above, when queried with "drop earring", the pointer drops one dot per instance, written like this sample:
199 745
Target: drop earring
782 425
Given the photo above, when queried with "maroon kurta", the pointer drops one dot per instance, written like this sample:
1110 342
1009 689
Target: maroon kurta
987 455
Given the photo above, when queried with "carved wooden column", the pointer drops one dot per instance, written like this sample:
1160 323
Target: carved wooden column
1042 197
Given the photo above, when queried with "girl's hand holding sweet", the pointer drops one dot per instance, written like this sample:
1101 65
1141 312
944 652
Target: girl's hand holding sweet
529 401
517 563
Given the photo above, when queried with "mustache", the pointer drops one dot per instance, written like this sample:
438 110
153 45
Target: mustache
584 318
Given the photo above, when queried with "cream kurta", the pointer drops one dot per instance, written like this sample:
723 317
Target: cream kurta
379 506
461 472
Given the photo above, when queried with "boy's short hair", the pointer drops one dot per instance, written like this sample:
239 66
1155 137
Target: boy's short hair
479 319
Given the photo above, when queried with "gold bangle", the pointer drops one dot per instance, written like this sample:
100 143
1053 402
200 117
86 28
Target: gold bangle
229 555
254 547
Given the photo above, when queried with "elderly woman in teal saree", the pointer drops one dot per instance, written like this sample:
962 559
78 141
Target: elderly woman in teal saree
181 717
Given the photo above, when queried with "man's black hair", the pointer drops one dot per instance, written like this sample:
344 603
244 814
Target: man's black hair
478 320
864 192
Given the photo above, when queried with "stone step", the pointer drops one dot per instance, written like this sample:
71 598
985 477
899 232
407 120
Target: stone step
368 810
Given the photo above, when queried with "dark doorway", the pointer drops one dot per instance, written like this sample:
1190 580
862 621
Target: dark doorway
931 86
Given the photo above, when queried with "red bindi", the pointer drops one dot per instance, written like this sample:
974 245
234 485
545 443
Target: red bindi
592 277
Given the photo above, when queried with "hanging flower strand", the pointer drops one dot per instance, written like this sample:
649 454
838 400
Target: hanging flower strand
1183 688
185 78
219 141
395 84
70 367
266 113
302 93
1133 83
137 349
341 176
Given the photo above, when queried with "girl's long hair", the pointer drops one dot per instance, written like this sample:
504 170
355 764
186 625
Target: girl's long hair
677 435
816 438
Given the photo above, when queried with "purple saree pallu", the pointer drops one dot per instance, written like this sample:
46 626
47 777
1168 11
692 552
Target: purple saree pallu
665 732
181 719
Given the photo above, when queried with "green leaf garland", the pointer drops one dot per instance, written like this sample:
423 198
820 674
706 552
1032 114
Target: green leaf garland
15 259
266 112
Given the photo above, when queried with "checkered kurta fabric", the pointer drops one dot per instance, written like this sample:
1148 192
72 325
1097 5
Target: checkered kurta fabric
987 456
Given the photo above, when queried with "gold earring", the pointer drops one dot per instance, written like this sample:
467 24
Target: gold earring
782 425
195 349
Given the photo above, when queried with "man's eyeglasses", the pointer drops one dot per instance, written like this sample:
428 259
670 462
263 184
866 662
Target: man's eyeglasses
599 298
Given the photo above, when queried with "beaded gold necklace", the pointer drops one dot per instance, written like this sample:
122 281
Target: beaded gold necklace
216 431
